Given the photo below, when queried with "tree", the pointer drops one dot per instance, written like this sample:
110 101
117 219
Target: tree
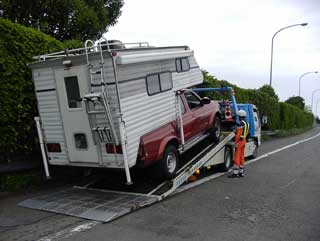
269 90
64 19
296 101
17 99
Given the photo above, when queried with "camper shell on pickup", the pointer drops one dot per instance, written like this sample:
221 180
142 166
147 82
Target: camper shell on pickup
96 103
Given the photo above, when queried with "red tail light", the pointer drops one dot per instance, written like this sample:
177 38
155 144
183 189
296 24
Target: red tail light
110 148
141 152
53 147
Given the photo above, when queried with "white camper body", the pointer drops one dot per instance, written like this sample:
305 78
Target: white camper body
89 98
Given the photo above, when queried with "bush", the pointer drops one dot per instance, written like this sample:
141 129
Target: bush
17 46
293 117
16 182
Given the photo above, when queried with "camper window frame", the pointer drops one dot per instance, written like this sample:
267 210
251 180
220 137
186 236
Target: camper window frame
158 74
178 62
66 90
75 143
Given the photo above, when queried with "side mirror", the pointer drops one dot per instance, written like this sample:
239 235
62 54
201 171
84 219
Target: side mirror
205 100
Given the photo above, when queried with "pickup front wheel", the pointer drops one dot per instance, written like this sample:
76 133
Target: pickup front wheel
216 129
169 164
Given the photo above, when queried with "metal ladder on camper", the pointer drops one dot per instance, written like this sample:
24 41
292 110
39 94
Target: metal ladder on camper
106 134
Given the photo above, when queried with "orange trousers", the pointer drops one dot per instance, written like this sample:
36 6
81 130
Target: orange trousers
239 155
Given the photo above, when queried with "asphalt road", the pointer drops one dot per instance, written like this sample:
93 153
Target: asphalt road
279 199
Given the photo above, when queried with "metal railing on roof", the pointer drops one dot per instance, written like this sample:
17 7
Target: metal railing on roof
104 45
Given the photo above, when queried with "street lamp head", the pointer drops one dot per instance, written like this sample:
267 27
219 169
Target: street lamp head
304 24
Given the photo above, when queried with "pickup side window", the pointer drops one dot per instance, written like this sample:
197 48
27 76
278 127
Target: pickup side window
160 82
182 64
256 119
183 109
193 100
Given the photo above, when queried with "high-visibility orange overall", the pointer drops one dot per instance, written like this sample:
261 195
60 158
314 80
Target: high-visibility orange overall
240 141
241 144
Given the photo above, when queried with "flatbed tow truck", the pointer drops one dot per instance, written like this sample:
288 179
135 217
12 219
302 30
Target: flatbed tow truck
105 205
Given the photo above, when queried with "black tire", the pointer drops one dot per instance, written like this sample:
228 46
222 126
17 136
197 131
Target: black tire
169 164
216 129
228 160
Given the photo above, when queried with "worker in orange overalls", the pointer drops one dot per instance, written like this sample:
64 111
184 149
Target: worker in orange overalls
242 134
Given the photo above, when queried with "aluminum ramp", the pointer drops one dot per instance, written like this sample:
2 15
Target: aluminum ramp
99 205
106 205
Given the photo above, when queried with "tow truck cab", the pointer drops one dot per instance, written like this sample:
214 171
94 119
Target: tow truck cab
254 121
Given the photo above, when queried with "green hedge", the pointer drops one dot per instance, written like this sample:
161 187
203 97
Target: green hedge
17 46
280 115
293 117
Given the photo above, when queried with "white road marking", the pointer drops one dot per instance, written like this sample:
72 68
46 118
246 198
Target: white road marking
214 176
283 148
69 232
89 225
288 184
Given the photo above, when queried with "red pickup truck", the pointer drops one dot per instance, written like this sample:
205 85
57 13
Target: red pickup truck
162 147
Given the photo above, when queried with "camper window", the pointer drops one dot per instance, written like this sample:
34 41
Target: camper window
165 81
153 84
160 82
81 141
73 92
182 64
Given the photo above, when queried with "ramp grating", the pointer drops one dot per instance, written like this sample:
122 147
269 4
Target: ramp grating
99 205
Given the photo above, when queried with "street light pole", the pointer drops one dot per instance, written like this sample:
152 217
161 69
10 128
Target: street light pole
301 76
313 92
316 112
290 26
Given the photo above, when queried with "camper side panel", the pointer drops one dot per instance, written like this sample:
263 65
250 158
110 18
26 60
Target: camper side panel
48 106
188 78
143 113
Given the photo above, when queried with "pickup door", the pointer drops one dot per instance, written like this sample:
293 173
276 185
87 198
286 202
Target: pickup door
187 119
197 110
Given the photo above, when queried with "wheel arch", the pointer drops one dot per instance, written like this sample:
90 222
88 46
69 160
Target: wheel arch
164 143
213 116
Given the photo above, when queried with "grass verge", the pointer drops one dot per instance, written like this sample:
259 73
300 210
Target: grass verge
20 181
285 133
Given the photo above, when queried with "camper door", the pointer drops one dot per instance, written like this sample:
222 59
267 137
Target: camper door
72 85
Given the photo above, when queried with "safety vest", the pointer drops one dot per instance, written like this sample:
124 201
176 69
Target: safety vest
245 129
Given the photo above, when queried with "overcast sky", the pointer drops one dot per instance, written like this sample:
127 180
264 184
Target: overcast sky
232 39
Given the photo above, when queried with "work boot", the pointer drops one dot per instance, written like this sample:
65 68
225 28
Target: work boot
241 172
235 172
233 175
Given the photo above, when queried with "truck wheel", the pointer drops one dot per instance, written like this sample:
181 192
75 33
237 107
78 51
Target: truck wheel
228 162
169 164
216 129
